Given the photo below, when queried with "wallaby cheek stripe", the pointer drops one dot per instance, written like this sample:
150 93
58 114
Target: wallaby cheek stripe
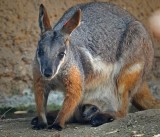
58 67
39 62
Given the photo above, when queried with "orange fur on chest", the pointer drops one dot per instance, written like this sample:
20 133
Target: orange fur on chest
73 80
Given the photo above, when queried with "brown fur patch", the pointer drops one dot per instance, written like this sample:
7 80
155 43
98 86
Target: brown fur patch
143 99
39 94
73 95
126 82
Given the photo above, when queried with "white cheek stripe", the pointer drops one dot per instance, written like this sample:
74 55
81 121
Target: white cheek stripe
60 63
39 64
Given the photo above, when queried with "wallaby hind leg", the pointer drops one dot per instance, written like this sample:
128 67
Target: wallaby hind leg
128 79
143 99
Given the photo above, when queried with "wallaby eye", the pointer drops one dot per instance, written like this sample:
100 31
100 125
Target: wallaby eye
61 55
40 52
94 109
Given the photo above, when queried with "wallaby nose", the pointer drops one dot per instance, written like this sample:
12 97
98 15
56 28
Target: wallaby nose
48 72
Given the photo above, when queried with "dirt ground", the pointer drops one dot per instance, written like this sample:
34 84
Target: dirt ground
139 124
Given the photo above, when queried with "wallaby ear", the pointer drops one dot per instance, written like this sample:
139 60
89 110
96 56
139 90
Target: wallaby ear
72 23
44 22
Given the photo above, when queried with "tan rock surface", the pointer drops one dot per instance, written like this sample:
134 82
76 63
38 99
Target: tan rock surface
19 34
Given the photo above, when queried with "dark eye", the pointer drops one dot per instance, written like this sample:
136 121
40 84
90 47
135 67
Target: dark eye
94 109
40 52
61 55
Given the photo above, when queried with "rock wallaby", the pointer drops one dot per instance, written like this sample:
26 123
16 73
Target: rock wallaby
97 52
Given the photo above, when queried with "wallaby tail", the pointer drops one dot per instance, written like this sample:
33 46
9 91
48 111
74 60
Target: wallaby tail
143 99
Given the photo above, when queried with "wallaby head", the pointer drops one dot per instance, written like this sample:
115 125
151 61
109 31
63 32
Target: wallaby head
88 111
53 46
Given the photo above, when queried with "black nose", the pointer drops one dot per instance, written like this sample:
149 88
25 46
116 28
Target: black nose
48 72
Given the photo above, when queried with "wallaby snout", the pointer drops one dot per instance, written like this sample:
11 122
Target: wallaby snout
48 72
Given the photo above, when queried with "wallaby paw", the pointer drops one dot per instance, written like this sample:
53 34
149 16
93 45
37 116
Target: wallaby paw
100 119
55 126
40 126
34 121
50 120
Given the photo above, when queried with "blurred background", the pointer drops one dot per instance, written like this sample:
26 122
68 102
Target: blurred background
19 34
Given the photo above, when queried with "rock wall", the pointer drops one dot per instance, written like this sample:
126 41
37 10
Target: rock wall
19 34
